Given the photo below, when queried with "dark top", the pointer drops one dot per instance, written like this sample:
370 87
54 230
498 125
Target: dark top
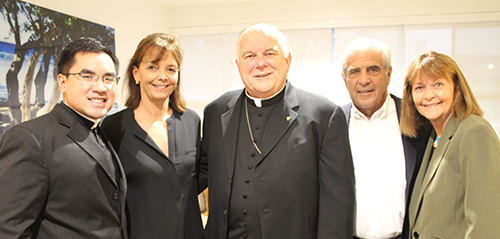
162 198
57 181
244 219
304 180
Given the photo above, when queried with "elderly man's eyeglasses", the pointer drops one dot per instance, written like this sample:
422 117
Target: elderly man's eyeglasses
91 78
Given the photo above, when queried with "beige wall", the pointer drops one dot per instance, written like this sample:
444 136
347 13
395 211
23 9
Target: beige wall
296 14
132 20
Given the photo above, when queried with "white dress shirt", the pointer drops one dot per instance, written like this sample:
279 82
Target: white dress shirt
380 171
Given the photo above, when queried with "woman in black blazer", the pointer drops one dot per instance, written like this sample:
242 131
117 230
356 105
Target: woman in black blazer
157 140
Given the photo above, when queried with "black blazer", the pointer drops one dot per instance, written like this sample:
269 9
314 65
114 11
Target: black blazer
414 149
55 181
162 197
305 185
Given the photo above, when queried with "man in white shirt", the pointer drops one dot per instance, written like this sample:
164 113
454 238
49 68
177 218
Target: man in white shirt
384 161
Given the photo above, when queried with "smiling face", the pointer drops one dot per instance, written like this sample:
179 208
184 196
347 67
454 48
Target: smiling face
94 100
367 80
262 65
433 99
157 80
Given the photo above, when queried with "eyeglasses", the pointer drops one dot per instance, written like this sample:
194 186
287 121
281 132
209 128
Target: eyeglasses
91 78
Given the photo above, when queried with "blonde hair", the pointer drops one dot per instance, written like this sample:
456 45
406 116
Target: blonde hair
435 65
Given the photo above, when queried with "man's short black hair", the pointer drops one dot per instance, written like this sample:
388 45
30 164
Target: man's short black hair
84 44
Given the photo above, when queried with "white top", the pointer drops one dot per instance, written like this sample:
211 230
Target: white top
380 171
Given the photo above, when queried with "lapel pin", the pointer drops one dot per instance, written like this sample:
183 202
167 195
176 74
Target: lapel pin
288 118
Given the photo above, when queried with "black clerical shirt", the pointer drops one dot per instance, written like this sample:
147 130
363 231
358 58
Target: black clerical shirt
244 219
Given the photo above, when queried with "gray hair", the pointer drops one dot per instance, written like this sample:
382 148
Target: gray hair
362 45
268 30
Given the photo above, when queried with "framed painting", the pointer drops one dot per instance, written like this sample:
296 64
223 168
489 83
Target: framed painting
31 40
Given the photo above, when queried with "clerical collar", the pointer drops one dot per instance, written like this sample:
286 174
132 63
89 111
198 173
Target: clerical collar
259 102
92 124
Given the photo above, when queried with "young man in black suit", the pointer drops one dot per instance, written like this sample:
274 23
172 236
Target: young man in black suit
59 177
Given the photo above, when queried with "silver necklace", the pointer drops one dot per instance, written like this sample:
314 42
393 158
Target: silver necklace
250 128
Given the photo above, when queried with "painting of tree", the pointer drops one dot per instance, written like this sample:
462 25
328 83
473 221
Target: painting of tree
33 37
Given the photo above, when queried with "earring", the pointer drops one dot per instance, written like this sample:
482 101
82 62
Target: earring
137 82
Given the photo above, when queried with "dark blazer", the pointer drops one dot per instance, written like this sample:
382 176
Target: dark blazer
305 185
414 149
55 181
162 196
456 192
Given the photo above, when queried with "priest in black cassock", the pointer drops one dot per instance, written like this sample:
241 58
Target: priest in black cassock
277 158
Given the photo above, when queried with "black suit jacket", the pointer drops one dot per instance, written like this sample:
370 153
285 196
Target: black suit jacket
305 185
414 149
162 195
55 181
